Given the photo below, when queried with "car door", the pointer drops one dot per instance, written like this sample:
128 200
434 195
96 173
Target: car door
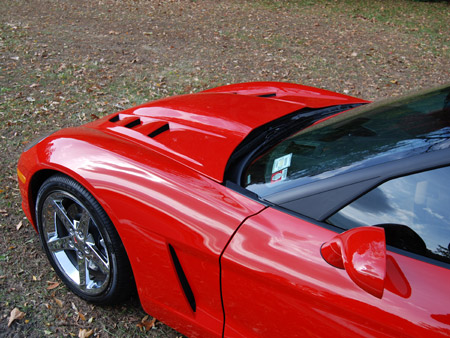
277 283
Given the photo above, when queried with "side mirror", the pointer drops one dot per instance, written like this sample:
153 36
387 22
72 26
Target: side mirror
362 253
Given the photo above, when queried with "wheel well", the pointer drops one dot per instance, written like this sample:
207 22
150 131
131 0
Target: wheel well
36 182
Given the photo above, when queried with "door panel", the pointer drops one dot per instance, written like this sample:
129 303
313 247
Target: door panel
276 284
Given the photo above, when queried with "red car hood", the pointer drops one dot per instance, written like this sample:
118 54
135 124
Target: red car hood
202 130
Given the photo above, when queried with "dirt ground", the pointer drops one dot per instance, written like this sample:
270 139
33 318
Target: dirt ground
66 62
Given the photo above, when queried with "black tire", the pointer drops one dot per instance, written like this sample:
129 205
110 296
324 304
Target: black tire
81 242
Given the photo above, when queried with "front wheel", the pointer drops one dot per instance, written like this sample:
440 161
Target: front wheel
81 242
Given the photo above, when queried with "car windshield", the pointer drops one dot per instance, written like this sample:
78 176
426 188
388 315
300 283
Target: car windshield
363 137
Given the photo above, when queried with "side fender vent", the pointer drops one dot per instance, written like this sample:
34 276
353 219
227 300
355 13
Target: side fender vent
183 280
160 130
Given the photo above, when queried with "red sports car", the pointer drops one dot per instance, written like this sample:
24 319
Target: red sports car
255 210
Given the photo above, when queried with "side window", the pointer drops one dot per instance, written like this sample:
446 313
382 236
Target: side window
414 210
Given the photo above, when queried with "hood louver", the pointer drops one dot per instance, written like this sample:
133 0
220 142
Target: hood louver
268 95
147 126
134 123
160 130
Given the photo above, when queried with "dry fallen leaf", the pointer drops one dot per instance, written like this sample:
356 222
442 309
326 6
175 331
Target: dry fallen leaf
57 301
146 323
16 314
83 333
18 226
53 285
82 317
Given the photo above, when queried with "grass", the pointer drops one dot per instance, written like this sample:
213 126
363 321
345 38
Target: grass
422 19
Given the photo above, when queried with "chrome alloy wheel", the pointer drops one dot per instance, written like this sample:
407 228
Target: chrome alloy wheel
75 242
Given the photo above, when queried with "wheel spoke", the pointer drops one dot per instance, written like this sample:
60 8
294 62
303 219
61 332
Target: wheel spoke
83 223
98 260
62 215
59 244
82 272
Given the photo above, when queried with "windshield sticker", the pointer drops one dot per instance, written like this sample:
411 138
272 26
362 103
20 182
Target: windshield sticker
279 176
281 163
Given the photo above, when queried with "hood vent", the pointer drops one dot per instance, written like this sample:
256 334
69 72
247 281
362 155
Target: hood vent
268 95
160 130
146 126
133 123
115 118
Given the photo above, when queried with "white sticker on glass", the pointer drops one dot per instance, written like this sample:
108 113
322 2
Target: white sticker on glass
282 162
